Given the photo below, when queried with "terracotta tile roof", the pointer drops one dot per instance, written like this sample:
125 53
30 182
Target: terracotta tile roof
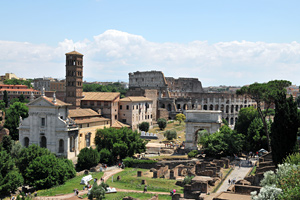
136 99
58 102
119 124
21 86
73 113
20 90
74 53
100 96
90 120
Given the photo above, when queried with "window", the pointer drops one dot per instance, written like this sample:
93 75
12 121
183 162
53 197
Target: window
120 107
116 116
124 120
127 107
61 146
43 122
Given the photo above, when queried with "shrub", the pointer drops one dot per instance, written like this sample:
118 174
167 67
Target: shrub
187 180
162 123
129 162
87 158
192 153
170 134
144 126
293 159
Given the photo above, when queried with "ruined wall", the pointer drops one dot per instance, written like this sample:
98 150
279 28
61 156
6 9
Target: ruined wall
184 85
147 80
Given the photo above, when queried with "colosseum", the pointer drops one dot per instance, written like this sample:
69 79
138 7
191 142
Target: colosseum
172 96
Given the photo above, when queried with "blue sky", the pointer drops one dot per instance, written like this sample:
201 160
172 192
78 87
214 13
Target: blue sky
220 42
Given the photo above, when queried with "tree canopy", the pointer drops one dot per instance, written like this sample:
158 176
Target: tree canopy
284 128
162 123
12 118
87 158
180 117
114 87
264 93
120 142
18 82
223 142
144 126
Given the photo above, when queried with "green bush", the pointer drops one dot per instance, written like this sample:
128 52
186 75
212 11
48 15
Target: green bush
144 126
170 134
87 158
162 123
192 153
129 162
187 180
293 159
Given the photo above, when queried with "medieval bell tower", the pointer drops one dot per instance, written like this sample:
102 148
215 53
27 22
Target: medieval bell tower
74 76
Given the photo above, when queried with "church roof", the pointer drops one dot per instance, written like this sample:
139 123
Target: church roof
136 99
119 124
91 120
74 53
87 112
58 102
100 96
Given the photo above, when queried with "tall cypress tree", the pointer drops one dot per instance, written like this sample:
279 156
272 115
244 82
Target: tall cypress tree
5 98
284 128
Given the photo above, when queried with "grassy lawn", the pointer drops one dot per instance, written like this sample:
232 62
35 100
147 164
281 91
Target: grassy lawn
142 196
130 181
69 186
180 129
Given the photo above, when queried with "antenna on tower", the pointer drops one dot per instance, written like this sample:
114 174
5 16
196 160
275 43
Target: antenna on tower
74 48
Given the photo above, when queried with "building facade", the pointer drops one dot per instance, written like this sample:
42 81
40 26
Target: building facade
49 126
135 110
15 91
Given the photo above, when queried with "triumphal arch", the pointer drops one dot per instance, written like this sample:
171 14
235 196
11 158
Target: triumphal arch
197 120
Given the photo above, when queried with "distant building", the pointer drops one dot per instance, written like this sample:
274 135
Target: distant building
9 76
88 122
135 110
105 103
15 91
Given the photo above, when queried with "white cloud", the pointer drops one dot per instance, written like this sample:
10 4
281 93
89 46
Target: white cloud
113 54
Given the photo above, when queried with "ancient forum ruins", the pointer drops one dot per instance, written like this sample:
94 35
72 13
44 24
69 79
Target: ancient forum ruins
172 96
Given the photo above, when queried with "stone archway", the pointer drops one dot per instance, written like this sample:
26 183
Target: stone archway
200 120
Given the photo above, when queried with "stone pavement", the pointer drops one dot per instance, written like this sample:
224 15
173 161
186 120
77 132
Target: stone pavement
238 174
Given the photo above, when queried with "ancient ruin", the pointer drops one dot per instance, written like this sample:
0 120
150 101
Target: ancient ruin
172 96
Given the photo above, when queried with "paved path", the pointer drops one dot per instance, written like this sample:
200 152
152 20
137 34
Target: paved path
237 174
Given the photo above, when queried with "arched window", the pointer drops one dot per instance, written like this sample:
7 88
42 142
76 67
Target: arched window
43 142
169 107
26 141
61 147
211 107
205 107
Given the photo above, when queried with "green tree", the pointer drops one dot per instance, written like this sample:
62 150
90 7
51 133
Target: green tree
97 192
223 142
18 82
144 126
45 171
126 139
87 158
180 117
2 105
162 123
29 154
10 178
5 98
7 143
298 101
13 114
256 138
245 117
170 134
16 150
106 156
284 128
264 93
